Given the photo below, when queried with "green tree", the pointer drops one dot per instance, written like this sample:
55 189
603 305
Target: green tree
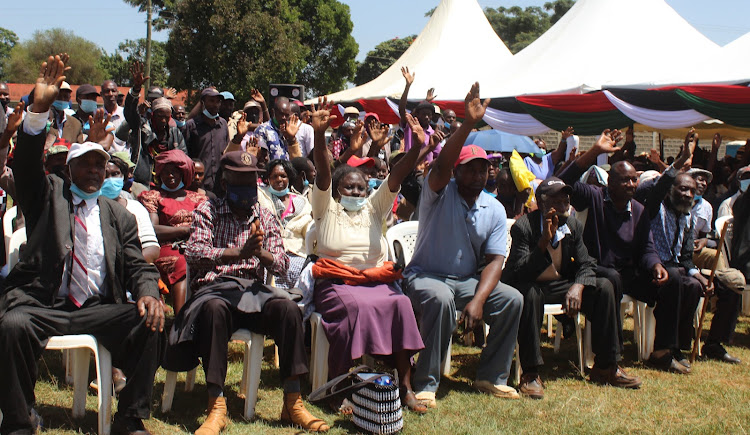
163 11
327 33
8 40
115 68
235 45
25 57
382 57
518 27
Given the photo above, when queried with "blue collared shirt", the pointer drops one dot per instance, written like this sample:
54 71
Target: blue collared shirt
277 146
453 237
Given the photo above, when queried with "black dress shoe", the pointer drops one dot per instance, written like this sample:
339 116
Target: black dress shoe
128 426
716 351
36 421
668 364
681 358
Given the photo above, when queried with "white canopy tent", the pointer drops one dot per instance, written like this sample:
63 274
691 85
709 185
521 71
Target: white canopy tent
612 43
441 57
738 50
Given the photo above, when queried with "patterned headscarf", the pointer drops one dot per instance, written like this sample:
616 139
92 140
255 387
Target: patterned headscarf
178 158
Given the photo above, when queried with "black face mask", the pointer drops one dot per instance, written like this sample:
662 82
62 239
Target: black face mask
242 197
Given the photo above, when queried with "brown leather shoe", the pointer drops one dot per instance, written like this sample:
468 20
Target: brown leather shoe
217 417
531 386
668 364
294 412
614 376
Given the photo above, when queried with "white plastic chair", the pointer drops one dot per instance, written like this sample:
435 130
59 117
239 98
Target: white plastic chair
625 303
13 246
319 346
405 234
8 217
252 360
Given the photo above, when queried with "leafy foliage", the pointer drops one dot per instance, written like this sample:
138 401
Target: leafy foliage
382 57
518 27
25 57
8 40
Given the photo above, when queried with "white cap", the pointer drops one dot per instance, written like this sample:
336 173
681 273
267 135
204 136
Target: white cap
79 149
64 86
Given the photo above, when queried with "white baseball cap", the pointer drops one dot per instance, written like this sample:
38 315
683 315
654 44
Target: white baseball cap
79 149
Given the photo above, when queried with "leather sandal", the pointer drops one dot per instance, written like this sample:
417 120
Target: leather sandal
294 413
409 399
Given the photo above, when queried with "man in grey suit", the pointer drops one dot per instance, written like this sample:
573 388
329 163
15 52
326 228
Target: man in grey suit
82 257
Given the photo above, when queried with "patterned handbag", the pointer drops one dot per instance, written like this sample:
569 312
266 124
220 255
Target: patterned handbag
375 399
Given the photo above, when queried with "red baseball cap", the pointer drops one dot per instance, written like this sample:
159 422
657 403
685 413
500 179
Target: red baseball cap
356 162
373 114
469 153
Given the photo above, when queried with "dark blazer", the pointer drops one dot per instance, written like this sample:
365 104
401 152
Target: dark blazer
526 262
47 205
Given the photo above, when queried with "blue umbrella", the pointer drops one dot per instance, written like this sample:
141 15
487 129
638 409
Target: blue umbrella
496 140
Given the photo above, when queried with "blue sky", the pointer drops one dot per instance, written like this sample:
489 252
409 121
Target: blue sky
109 22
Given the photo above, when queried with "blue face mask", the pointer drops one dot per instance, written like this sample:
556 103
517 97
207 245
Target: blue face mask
374 183
353 203
84 195
541 153
305 183
179 186
112 187
88 106
208 115
242 197
697 198
447 125
180 123
279 193
61 105
744 184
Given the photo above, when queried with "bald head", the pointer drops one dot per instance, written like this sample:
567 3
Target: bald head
4 94
282 110
449 116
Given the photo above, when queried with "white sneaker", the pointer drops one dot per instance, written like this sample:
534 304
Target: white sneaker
501 391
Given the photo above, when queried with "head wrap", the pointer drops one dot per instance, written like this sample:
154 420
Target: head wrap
161 103
179 159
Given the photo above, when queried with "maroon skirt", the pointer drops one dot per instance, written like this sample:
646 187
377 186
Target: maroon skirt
373 319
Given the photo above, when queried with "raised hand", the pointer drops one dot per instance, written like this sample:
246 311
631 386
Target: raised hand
686 154
417 133
252 146
257 97
137 71
629 135
357 140
409 77
15 118
431 95
474 107
549 227
321 117
242 125
568 132
436 138
607 142
292 127
51 76
654 157
378 133
170 93
716 143
98 124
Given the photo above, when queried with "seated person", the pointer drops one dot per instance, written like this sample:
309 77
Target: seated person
305 175
82 257
363 311
232 243
171 209
548 263
461 226
743 179
294 214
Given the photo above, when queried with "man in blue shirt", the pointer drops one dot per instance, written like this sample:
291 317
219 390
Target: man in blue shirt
462 227
280 132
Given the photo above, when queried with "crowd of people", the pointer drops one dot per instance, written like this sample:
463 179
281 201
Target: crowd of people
231 218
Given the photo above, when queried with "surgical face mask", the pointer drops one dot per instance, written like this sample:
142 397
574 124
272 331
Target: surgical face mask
208 115
112 187
180 123
374 183
697 198
279 193
179 186
744 184
447 125
88 106
242 197
305 183
353 203
61 105
84 195
541 153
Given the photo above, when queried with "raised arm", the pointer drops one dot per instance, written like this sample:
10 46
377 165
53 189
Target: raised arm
409 162
132 116
659 191
265 116
440 174
409 77
321 119
607 143
559 153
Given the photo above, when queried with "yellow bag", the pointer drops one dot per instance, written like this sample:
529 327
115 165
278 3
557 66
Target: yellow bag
522 177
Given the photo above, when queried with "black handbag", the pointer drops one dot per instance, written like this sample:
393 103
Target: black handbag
375 398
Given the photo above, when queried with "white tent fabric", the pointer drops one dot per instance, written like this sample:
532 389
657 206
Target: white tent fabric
445 35
516 123
611 43
657 118
738 50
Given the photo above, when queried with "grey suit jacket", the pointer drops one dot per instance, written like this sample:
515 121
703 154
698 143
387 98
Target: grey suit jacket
47 205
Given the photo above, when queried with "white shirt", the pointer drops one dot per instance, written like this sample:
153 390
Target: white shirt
305 136
146 232
702 214
118 116
96 265
725 209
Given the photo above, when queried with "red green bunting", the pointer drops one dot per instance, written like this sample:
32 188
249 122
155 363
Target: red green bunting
588 114
730 104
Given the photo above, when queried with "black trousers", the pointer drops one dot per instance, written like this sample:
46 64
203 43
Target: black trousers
280 319
675 301
728 309
24 331
598 305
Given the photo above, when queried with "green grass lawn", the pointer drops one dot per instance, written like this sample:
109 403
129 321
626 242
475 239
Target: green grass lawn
713 399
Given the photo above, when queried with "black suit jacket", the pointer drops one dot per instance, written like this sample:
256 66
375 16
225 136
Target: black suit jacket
47 205
526 262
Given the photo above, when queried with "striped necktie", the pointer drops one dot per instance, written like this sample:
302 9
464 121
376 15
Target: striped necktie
78 290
